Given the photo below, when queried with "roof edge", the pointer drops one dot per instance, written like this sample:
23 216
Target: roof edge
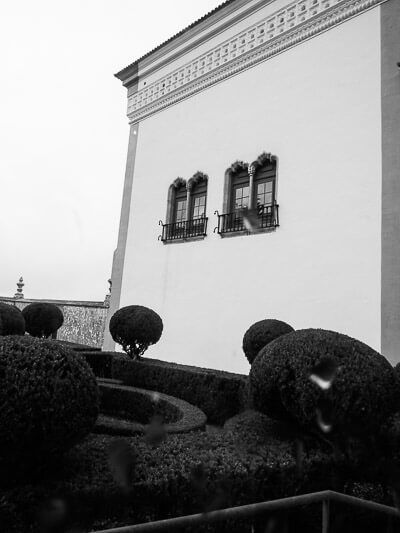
132 68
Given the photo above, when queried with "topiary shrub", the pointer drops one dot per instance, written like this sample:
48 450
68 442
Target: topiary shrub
262 333
42 319
363 392
219 394
49 401
11 320
135 328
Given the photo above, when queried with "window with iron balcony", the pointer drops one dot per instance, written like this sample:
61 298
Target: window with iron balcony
249 198
186 210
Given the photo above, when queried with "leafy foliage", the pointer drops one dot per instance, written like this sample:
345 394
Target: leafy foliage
218 394
122 404
183 474
363 393
42 319
99 362
49 401
135 328
262 333
11 320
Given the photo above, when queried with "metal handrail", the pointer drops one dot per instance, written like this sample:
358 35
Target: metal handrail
249 511
264 216
185 229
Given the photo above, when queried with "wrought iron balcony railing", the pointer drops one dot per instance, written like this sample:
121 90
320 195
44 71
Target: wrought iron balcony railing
187 229
249 220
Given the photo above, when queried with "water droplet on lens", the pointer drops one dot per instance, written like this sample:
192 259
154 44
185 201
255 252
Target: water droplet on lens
324 416
122 461
155 397
53 515
323 373
251 220
155 432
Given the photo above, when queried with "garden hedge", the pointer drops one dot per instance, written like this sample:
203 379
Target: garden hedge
78 347
42 319
185 474
219 394
48 398
12 321
262 333
100 362
135 328
363 394
129 409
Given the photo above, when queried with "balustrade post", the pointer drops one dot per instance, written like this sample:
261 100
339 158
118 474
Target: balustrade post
325 516
251 170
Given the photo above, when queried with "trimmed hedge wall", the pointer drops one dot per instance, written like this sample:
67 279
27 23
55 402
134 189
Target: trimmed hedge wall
185 474
220 395
100 362
49 401
78 347
131 408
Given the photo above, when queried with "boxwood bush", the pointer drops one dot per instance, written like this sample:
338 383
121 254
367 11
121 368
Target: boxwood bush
363 394
218 394
100 362
49 401
135 328
262 333
11 320
185 474
42 319
127 410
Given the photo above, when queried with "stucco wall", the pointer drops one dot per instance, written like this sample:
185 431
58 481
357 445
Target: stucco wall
316 107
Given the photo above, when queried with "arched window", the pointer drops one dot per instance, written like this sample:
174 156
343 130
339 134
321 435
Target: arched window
240 187
186 210
180 204
250 196
197 186
264 180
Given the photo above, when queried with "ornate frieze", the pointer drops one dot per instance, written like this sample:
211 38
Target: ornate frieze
285 28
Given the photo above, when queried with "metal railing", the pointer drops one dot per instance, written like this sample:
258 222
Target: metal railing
248 220
186 229
326 498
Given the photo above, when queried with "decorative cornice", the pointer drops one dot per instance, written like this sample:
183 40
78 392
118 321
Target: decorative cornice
238 166
178 183
197 178
297 22
263 159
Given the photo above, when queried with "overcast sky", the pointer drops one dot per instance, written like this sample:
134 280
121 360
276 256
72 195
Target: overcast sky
64 134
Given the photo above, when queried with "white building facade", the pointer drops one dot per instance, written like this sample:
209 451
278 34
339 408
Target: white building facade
288 109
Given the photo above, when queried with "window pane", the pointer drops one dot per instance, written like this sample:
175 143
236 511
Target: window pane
264 193
180 211
242 200
199 206
261 188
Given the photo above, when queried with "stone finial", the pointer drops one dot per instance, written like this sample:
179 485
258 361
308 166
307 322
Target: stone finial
20 284
108 296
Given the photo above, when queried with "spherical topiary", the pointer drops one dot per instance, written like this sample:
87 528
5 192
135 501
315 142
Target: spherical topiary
42 319
397 371
135 328
262 333
11 320
361 392
49 400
